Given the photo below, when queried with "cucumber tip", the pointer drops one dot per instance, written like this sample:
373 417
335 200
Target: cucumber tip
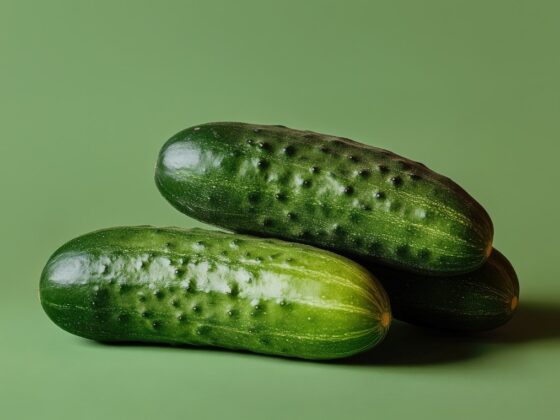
385 319
514 303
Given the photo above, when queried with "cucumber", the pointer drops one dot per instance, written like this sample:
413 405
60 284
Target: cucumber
326 191
477 301
200 287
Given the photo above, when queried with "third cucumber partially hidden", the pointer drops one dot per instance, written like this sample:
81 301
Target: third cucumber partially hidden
480 300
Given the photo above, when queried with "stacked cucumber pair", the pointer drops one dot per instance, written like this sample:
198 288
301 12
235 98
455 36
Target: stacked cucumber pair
359 221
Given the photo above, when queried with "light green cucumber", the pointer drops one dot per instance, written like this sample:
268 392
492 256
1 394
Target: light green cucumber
211 288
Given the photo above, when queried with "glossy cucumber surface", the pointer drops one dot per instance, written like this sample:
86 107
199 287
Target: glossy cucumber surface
326 191
480 300
211 288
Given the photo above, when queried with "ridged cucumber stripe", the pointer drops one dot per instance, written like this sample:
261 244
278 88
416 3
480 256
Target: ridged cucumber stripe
435 232
269 330
342 281
336 307
374 216
316 304
453 264
435 206
442 251
377 235
331 280
367 294
492 290
309 337
363 275
448 210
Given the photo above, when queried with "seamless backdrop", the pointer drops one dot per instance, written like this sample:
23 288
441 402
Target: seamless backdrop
90 90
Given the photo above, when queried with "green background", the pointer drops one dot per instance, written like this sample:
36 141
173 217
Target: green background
89 91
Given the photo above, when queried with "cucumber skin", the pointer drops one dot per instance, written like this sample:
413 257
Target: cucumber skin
476 301
325 191
199 287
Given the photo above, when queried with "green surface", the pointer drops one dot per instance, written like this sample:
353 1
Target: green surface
89 91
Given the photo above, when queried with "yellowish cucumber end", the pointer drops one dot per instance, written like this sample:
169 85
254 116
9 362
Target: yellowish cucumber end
514 303
385 319
488 249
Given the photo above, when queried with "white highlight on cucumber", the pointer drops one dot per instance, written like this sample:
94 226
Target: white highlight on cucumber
71 270
186 156
202 276
181 156
207 279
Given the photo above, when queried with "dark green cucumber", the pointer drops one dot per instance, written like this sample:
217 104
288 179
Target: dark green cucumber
212 288
480 300
325 191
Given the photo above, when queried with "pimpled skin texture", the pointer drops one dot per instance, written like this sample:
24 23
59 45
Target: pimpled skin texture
326 191
476 301
211 288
